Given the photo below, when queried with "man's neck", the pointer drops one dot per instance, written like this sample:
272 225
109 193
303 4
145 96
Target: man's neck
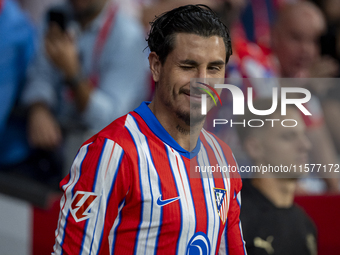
186 136
278 190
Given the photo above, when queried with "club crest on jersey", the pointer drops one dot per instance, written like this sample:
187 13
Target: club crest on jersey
81 205
221 201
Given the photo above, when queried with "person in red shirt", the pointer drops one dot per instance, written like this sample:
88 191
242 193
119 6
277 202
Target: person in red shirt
130 189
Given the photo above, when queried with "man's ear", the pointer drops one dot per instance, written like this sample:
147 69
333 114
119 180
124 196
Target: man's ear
155 66
254 148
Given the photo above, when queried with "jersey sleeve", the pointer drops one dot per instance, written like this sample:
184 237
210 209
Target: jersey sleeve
232 242
98 183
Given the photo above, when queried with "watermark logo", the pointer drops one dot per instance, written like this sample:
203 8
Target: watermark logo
239 101
204 96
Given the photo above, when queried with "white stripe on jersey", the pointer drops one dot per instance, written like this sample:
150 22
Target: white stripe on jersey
221 160
149 181
213 221
65 202
107 169
223 246
188 217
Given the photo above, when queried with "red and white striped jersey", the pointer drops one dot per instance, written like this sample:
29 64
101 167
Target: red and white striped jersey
129 191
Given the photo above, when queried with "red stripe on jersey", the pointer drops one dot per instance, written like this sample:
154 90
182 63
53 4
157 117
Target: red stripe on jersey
198 197
170 225
107 168
130 214
186 198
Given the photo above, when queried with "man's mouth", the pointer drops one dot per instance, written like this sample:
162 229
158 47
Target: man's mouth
192 92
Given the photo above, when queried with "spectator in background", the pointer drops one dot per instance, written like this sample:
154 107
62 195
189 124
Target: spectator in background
85 76
295 39
271 223
16 50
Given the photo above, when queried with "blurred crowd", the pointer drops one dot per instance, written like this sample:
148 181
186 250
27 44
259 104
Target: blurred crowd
70 67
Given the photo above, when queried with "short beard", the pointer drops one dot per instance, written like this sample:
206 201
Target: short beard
183 130
187 117
190 120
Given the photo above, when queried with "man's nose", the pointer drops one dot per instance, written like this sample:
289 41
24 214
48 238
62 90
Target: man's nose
202 73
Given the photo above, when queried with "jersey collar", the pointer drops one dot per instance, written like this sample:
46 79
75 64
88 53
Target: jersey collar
156 127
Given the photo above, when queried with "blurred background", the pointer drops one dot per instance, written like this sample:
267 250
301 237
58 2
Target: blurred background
70 67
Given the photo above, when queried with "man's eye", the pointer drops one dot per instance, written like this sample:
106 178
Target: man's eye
215 68
186 67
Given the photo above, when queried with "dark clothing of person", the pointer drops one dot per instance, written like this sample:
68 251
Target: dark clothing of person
268 229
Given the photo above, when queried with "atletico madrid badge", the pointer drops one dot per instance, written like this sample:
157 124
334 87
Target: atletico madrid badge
221 201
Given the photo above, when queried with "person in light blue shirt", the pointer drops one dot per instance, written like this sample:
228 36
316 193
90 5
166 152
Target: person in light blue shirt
16 50
87 75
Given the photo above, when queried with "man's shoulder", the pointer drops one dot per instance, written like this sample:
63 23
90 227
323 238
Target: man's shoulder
209 137
221 149
117 132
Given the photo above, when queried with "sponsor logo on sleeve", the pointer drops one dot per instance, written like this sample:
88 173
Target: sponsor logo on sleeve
81 205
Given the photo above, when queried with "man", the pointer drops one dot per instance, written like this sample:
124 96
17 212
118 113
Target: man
90 69
272 224
129 189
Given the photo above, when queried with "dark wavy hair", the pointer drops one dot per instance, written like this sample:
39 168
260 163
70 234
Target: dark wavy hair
193 19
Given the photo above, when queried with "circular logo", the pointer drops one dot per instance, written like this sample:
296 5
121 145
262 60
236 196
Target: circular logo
198 245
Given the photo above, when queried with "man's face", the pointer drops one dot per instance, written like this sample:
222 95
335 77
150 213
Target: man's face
283 145
193 56
295 42
86 7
